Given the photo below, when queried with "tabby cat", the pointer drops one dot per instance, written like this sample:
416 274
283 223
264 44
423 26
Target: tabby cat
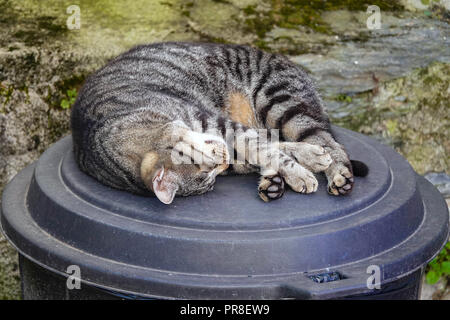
159 100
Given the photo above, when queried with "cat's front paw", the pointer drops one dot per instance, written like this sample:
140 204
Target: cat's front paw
340 180
215 154
271 187
208 151
301 180
310 156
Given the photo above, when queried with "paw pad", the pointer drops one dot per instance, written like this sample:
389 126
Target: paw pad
271 188
340 185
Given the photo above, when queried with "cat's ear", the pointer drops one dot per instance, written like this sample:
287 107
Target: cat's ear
165 185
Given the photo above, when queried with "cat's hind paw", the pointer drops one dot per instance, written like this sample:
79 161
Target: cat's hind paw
301 180
310 156
340 180
271 187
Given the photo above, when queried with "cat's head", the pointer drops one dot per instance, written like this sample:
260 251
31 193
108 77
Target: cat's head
183 180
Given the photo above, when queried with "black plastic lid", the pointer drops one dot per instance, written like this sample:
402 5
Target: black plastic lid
228 243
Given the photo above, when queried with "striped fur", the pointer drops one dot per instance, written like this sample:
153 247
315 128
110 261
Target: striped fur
131 108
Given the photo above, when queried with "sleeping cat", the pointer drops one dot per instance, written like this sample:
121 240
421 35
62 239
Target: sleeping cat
160 100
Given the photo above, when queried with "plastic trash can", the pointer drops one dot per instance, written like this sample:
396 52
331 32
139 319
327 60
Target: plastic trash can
226 244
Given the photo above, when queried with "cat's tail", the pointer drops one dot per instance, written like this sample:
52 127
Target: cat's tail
360 169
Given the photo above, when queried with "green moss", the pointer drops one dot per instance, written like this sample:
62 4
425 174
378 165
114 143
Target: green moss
355 5
64 94
69 99
290 14
51 25
409 113
55 127
6 92
356 120
60 102
32 27
7 14
392 127
343 97
74 82
106 26
264 45
439 267
9 272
